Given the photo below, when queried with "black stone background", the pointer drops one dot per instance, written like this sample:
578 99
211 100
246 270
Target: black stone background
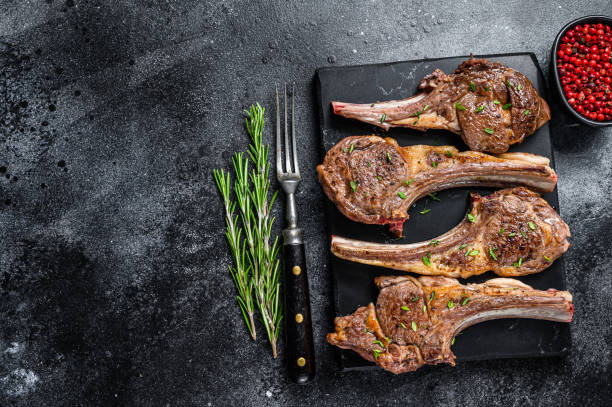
113 268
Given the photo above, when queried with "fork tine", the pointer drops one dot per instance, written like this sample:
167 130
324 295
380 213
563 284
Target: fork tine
287 153
295 157
279 163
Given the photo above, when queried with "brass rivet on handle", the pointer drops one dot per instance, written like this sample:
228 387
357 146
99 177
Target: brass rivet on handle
301 362
299 318
296 270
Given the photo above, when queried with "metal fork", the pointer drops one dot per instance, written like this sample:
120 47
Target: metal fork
300 349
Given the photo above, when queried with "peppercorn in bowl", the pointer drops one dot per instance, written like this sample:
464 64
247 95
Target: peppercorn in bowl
582 69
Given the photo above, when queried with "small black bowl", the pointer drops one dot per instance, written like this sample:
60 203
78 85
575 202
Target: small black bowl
555 70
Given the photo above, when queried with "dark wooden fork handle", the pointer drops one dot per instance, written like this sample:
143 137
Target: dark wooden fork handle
299 345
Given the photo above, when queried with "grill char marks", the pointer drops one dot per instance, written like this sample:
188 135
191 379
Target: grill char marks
374 180
469 102
512 232
399 336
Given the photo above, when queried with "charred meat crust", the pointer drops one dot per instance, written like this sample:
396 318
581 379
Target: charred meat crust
367 177
512 232
415 319
467 102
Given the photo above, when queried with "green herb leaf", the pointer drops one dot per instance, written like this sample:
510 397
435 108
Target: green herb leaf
532 226
388 157
424 309
453 341
415 298
401 195
501 231
467 252
459 106
379 343
448 154
405 308
523 234
372 105
488 130
497 102
450 304
344 149
474 253
431 297
352 147
378 177
407 183
518 87
508 84
471 218
365 330
434 243
376 353
487 88
402 325
492 254
479 109
419 113
526 112
433 196
383 118
518 263
434 163
472 86
465 301
426 260
511 234
369 164
413 325
463 246
547 259
425 211
507 106
353 185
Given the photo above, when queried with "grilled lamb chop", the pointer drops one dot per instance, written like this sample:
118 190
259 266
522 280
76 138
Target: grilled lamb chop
374 180
512 232
416 319
490 105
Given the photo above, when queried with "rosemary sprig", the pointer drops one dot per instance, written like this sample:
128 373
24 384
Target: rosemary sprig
241 269
256 270
263 255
